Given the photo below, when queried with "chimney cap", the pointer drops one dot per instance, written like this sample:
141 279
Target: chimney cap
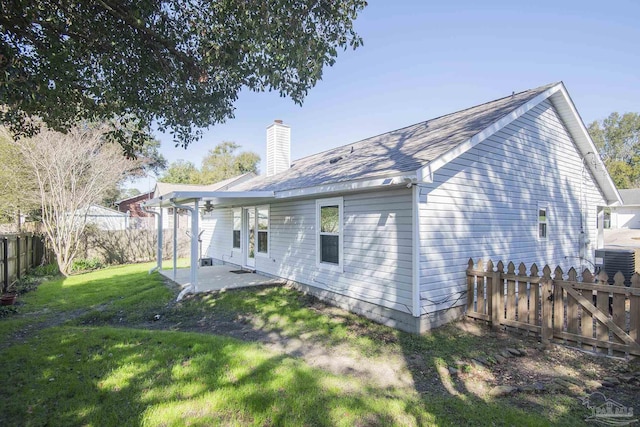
278 121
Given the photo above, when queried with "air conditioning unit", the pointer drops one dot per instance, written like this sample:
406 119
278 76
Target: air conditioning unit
614 260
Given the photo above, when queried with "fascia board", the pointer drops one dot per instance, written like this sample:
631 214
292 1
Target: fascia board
347 186
586 146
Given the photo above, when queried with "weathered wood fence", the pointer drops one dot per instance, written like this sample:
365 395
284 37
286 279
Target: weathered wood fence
18 254
588 313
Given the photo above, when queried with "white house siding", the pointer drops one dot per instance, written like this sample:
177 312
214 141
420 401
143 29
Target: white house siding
377 247
217 236
484 204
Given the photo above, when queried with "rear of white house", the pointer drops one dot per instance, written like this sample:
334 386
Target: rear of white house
385 226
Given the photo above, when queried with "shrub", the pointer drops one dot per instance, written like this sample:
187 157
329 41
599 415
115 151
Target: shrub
6 310
25 284
82 264
45 270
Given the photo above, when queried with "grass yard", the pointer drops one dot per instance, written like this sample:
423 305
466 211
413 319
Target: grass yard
86 351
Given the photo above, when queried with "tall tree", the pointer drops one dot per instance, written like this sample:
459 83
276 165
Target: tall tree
71 172
219 164
181 172
17 186
617 138
178 64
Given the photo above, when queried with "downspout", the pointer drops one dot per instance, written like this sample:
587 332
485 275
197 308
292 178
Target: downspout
193 287
415 232
159 248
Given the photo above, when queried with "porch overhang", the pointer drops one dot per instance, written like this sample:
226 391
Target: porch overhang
215 198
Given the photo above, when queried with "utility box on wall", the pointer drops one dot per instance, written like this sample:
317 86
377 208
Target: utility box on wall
206 262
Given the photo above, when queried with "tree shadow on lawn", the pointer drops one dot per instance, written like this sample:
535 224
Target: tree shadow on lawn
457 392
106 376
284 313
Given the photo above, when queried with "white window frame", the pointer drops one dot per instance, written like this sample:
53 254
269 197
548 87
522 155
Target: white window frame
542 206
234 212
334 201
268 231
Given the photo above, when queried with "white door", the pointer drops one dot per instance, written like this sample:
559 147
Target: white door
249 247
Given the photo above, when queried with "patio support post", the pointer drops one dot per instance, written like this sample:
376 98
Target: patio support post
175 244
195 213
160 240
194 243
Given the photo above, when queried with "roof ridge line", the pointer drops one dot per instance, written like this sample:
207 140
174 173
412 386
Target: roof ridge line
549 85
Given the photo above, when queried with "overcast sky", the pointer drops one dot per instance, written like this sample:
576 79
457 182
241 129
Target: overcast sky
423 59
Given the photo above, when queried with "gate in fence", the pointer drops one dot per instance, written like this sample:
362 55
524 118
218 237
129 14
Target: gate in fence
584 312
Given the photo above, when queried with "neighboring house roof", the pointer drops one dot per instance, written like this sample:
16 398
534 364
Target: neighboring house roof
630 196
137 197
163 188
132 205
96 210
424 147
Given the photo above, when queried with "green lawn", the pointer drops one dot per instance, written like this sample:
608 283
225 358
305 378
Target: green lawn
66 373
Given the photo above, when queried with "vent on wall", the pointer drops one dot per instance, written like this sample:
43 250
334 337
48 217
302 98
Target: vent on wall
614 260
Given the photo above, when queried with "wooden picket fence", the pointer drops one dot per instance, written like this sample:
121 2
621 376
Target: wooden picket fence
585 312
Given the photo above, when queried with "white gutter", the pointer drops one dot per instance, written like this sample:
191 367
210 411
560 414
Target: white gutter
348 186
415 232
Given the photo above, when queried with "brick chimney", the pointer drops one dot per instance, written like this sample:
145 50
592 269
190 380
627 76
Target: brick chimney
278 147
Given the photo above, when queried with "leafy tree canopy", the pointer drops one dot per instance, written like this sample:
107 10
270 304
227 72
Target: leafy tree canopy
180 172
17 184
178 65
222 163
219 164
618 141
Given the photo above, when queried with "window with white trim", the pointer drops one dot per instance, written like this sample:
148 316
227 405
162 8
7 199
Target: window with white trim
329 232
543 222
237 224
263 229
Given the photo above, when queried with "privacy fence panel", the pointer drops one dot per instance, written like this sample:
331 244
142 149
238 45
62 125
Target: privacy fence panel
18 254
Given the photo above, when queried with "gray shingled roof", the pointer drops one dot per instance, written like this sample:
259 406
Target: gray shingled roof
393 153
630 196
163 188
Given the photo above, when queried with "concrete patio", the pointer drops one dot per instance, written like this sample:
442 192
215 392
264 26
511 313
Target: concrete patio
220 277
